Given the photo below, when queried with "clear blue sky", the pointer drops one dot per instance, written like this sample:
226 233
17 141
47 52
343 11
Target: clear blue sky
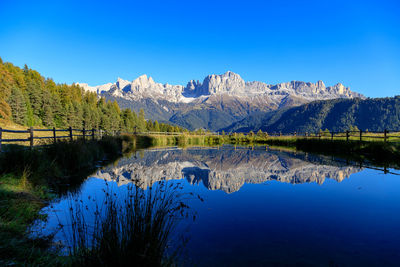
356 43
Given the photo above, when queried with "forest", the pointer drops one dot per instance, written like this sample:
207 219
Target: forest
27 98
338 115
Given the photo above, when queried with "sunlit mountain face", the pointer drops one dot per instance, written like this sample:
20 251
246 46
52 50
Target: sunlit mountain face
226 168
216 102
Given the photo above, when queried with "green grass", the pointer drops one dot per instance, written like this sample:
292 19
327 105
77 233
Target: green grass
379 153
373 150
29 179
182 140
20 205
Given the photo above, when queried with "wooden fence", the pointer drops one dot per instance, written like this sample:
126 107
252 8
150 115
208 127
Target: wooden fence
171 133
69 133
347 135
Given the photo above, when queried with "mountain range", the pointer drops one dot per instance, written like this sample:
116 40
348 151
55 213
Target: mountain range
225 169
218 102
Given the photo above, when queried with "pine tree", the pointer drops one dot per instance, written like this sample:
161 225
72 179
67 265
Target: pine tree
156 126
36 101
5 91
141 125
47 116
35 97
149 125
46 112
18 106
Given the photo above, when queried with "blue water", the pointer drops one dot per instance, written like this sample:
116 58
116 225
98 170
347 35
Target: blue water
265 208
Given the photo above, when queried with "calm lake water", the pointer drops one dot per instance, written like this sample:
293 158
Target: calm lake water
265 207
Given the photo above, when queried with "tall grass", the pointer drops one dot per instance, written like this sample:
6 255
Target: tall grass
136 229
182 140
30 178
379 153
63 162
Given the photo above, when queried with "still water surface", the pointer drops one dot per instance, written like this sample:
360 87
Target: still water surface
266 207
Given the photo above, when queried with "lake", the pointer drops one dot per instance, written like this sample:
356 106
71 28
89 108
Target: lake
258 206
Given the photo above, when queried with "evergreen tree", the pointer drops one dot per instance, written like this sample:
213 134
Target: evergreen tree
156 126
149 125
141 125
18 106
47 117
46 112
29 99
6 83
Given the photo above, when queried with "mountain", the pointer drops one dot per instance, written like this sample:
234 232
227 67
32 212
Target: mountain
374 114
225 169
215 103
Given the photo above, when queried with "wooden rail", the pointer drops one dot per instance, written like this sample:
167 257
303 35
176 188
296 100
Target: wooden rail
31 131
348 135
171 133
70 133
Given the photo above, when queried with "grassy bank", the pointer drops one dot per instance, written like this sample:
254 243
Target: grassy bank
30 178
385 154
377 152
178 140
374 151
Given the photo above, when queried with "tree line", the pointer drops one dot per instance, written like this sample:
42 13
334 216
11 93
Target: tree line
27 98
338 115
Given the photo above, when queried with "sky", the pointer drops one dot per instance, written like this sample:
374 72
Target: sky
356 43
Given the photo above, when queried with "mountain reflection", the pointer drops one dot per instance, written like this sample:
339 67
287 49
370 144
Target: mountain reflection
225 168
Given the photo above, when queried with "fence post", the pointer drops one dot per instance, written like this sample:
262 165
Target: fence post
360 135
92 133
70 133
347 135
385 135
54 135
332 136
31 136
83 132
1 134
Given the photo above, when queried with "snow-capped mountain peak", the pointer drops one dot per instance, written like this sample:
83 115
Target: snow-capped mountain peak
228 83
217 101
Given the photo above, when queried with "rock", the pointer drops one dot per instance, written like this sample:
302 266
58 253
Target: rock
228 83
226 94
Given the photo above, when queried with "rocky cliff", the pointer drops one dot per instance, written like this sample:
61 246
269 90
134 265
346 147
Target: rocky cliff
199 104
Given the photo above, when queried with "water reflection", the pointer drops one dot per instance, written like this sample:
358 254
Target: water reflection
226 168
265 207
